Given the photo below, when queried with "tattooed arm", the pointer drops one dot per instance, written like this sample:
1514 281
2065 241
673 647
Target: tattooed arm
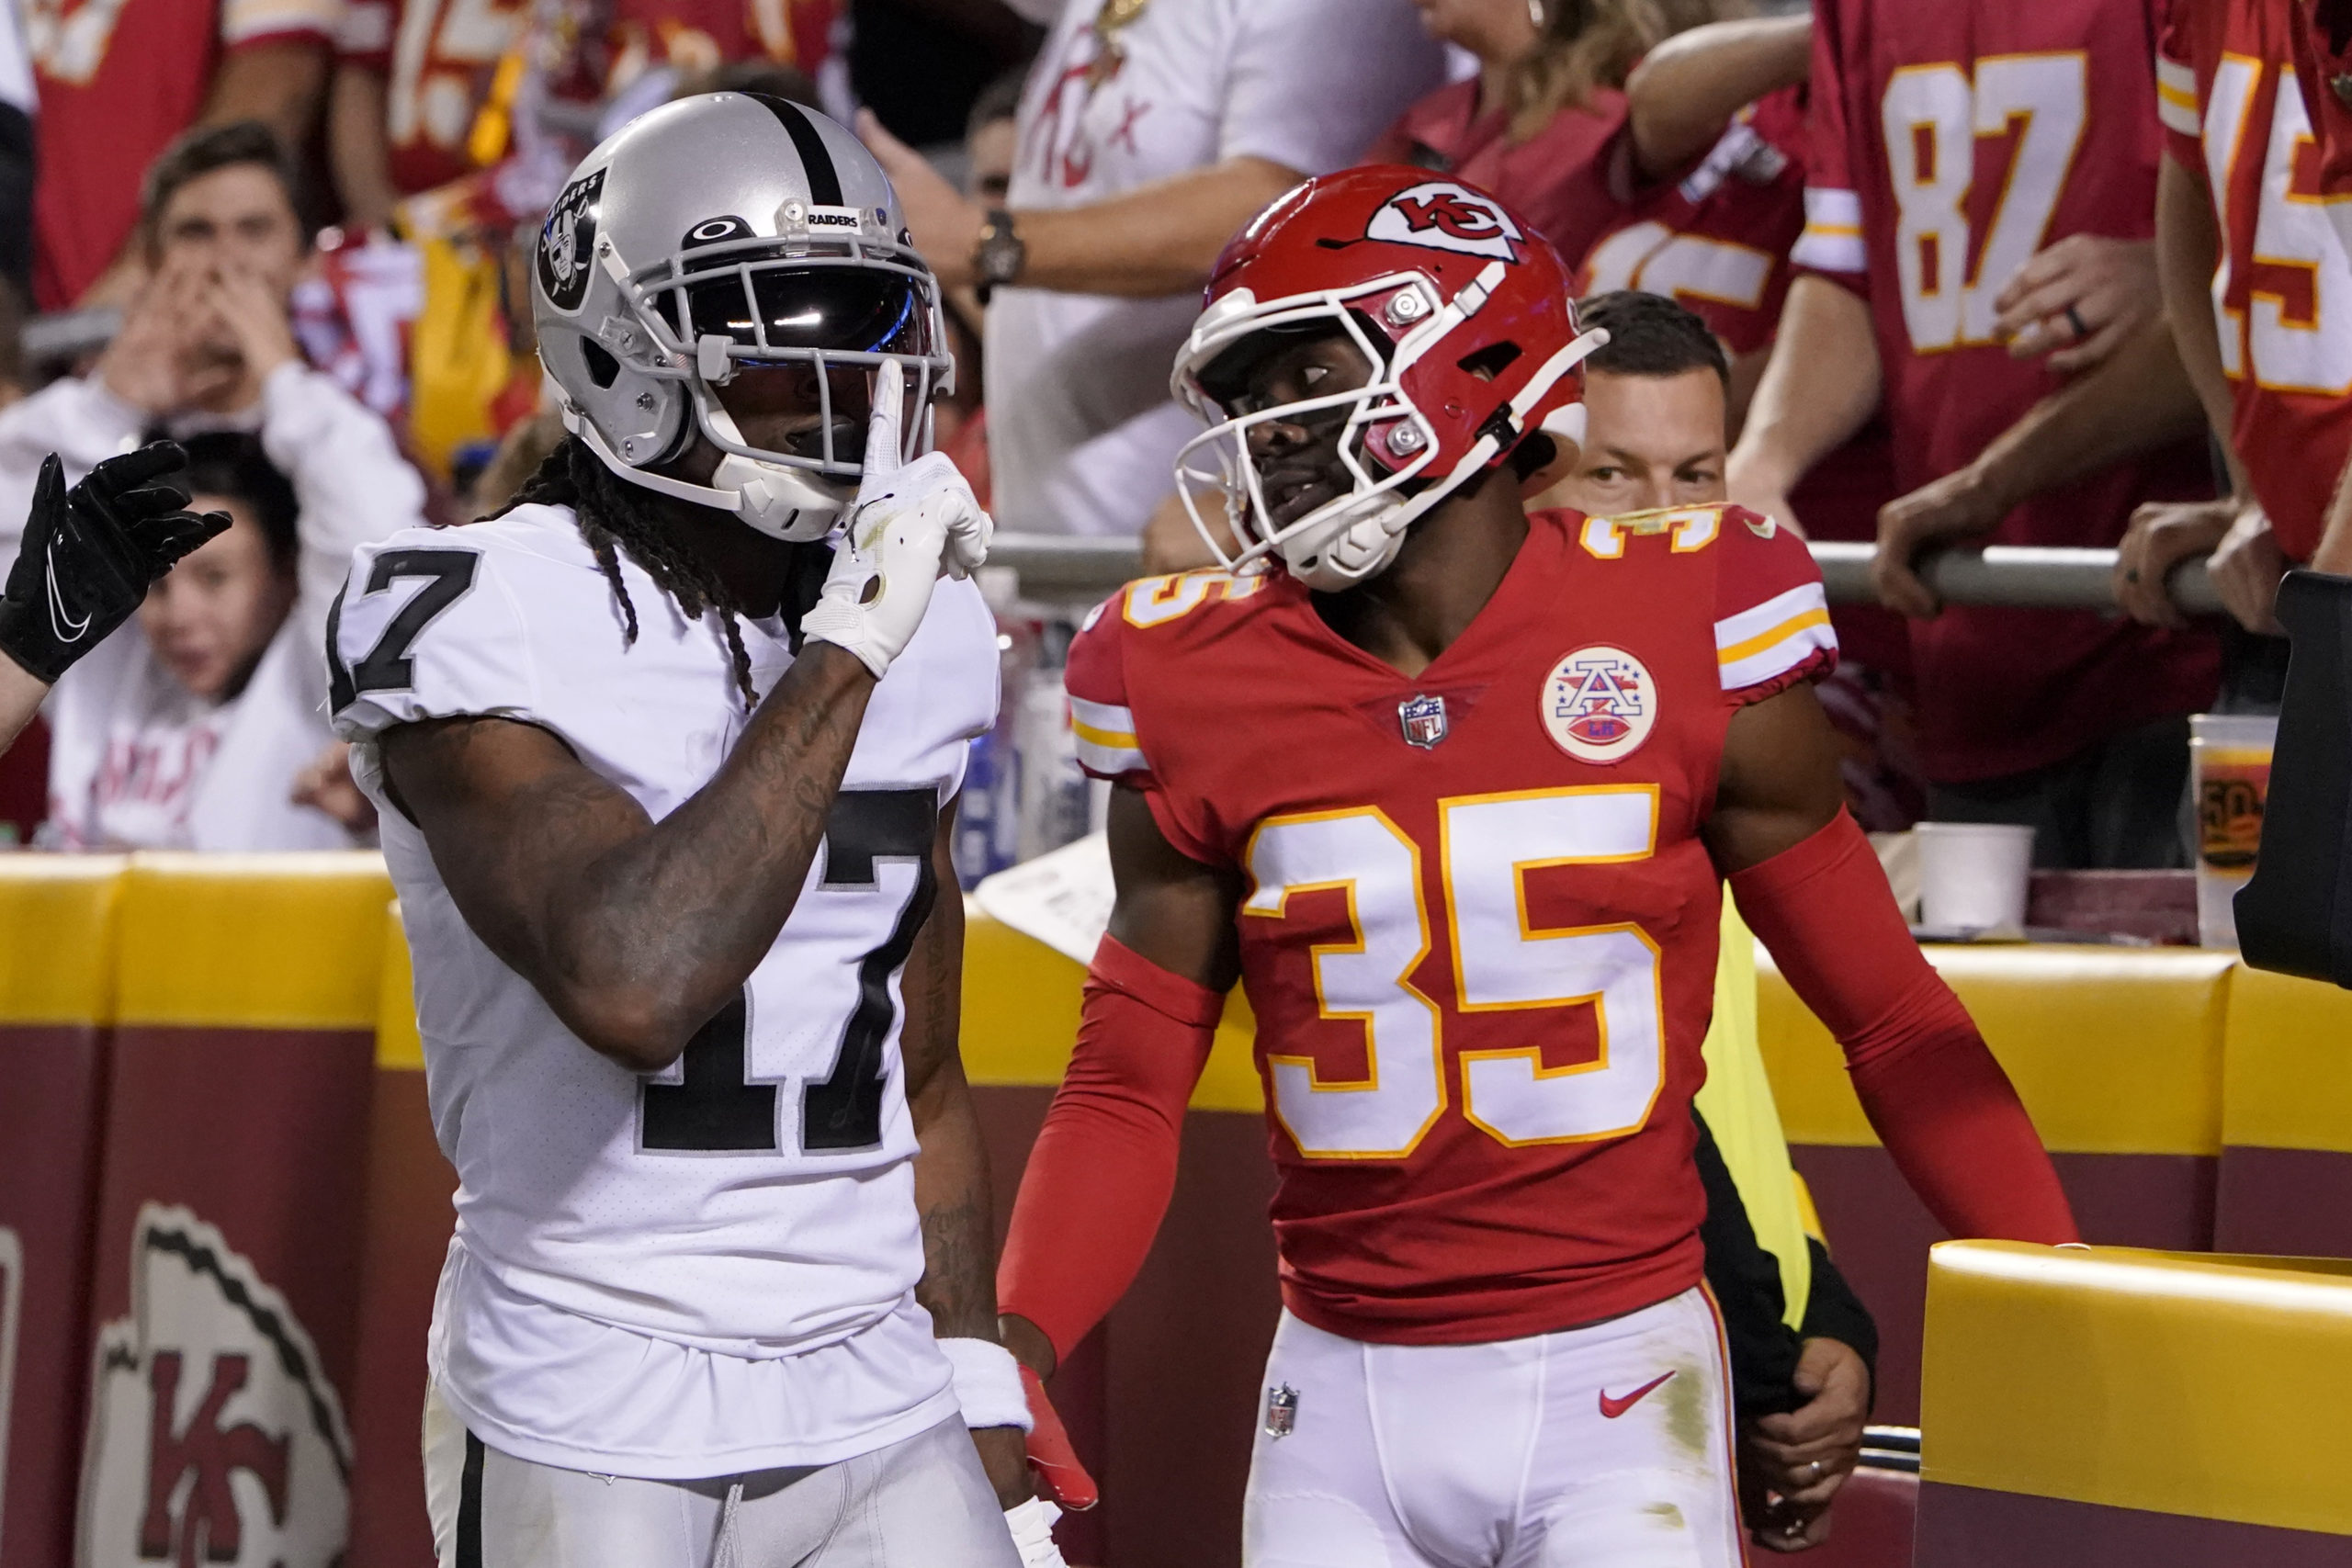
635 932
958 1287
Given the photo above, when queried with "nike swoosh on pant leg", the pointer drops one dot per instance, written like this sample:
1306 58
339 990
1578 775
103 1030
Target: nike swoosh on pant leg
1612 1408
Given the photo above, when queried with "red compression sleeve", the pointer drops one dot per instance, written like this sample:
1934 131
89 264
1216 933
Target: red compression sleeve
1940 1101
1098 1178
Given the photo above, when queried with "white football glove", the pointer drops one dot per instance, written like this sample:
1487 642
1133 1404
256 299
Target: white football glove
1032 1524
909 524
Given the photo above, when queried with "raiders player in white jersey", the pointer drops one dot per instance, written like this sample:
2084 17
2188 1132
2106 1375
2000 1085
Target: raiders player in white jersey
667 795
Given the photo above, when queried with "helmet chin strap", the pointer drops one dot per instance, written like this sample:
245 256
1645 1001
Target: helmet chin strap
778 501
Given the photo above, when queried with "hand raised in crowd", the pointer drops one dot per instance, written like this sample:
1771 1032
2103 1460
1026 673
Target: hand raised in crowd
945 223
89 554
1792 1465
2077 300
2246 567
1957 508
2162 535
255 321
148 364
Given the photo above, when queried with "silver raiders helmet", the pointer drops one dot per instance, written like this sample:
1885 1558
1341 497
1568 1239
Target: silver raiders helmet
723 230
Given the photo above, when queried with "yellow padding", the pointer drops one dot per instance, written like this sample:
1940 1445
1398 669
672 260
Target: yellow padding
2285 1085
2218 1387
2114 1050
57 935
256 941
1020 1001
398 1047
1736 1101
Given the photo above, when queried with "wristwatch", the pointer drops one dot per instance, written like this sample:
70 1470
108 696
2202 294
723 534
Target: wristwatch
998 258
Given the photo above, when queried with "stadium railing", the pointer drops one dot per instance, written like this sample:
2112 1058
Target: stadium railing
1054 569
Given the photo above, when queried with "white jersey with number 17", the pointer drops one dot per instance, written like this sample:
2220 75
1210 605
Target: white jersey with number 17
711 1269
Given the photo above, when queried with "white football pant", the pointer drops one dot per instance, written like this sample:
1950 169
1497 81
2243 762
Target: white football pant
922 1503
1603 1447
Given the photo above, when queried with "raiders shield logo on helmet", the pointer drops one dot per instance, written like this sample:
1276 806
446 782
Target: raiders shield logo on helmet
1599 704
1446 217
215 1435
568 243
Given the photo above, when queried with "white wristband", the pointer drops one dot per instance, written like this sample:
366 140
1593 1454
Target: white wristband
988 1383
1032 1524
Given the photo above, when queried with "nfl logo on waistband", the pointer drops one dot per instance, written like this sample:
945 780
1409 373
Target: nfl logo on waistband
1424 720
1282 1411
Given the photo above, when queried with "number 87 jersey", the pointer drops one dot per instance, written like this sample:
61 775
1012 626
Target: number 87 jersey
1480 927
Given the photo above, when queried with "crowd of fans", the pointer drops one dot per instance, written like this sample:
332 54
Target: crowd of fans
307 217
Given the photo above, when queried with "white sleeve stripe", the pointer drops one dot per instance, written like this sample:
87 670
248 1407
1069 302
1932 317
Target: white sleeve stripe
1109 761
2177 74
1779 658
1103 717
1826 206
2176 117
1827 251
1758 619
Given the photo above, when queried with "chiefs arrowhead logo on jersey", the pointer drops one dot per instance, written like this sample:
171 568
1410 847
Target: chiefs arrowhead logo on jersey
1446 217
567 242
1599 704
215 1435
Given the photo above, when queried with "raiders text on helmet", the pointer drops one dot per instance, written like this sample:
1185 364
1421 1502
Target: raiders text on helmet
723 230
1463 313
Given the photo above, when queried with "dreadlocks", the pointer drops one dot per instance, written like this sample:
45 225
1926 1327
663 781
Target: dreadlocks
614 516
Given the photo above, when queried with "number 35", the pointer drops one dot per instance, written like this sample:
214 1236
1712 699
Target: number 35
1501 964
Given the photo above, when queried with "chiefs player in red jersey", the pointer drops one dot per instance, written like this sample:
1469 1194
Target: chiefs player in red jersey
2260 296
1454 789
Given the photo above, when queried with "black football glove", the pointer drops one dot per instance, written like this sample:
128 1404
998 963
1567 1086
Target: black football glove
90 552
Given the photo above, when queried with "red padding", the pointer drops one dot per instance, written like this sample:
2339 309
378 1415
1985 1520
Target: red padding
1100 1176
1940 1101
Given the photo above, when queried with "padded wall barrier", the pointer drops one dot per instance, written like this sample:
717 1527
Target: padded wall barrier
2118 1408
225 1278
56 1000
2118 1054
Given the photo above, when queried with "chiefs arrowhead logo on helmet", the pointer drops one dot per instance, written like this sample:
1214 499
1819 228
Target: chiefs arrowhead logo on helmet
1446 217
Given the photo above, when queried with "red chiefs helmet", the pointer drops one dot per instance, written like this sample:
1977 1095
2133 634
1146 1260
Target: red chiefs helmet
1462 311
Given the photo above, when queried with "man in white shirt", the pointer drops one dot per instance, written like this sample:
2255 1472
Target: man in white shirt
208 346
1150 132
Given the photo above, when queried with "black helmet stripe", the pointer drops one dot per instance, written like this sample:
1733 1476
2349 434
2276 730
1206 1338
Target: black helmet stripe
824 181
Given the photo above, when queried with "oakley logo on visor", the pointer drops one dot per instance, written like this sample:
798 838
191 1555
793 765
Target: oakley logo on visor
1444 217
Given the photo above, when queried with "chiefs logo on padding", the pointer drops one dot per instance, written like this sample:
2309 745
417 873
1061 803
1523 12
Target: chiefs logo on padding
215 1435
1599 704
1446 217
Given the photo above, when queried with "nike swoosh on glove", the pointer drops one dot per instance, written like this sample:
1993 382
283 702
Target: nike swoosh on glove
909 524
89 553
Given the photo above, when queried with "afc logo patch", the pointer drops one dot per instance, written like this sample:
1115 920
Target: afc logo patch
1598 703
215 1435
568 240
1446 217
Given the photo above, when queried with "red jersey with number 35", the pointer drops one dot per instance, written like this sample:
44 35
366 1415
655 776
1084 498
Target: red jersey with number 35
1480 928
2228 91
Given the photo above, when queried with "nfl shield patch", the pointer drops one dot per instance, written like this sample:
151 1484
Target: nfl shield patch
1599 704
1282 1411
1424 720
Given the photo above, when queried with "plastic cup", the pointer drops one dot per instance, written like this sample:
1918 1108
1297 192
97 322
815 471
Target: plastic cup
2229 758
1973 875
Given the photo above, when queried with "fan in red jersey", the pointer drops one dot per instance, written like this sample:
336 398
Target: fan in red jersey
2262 305
1454 789
1950 145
